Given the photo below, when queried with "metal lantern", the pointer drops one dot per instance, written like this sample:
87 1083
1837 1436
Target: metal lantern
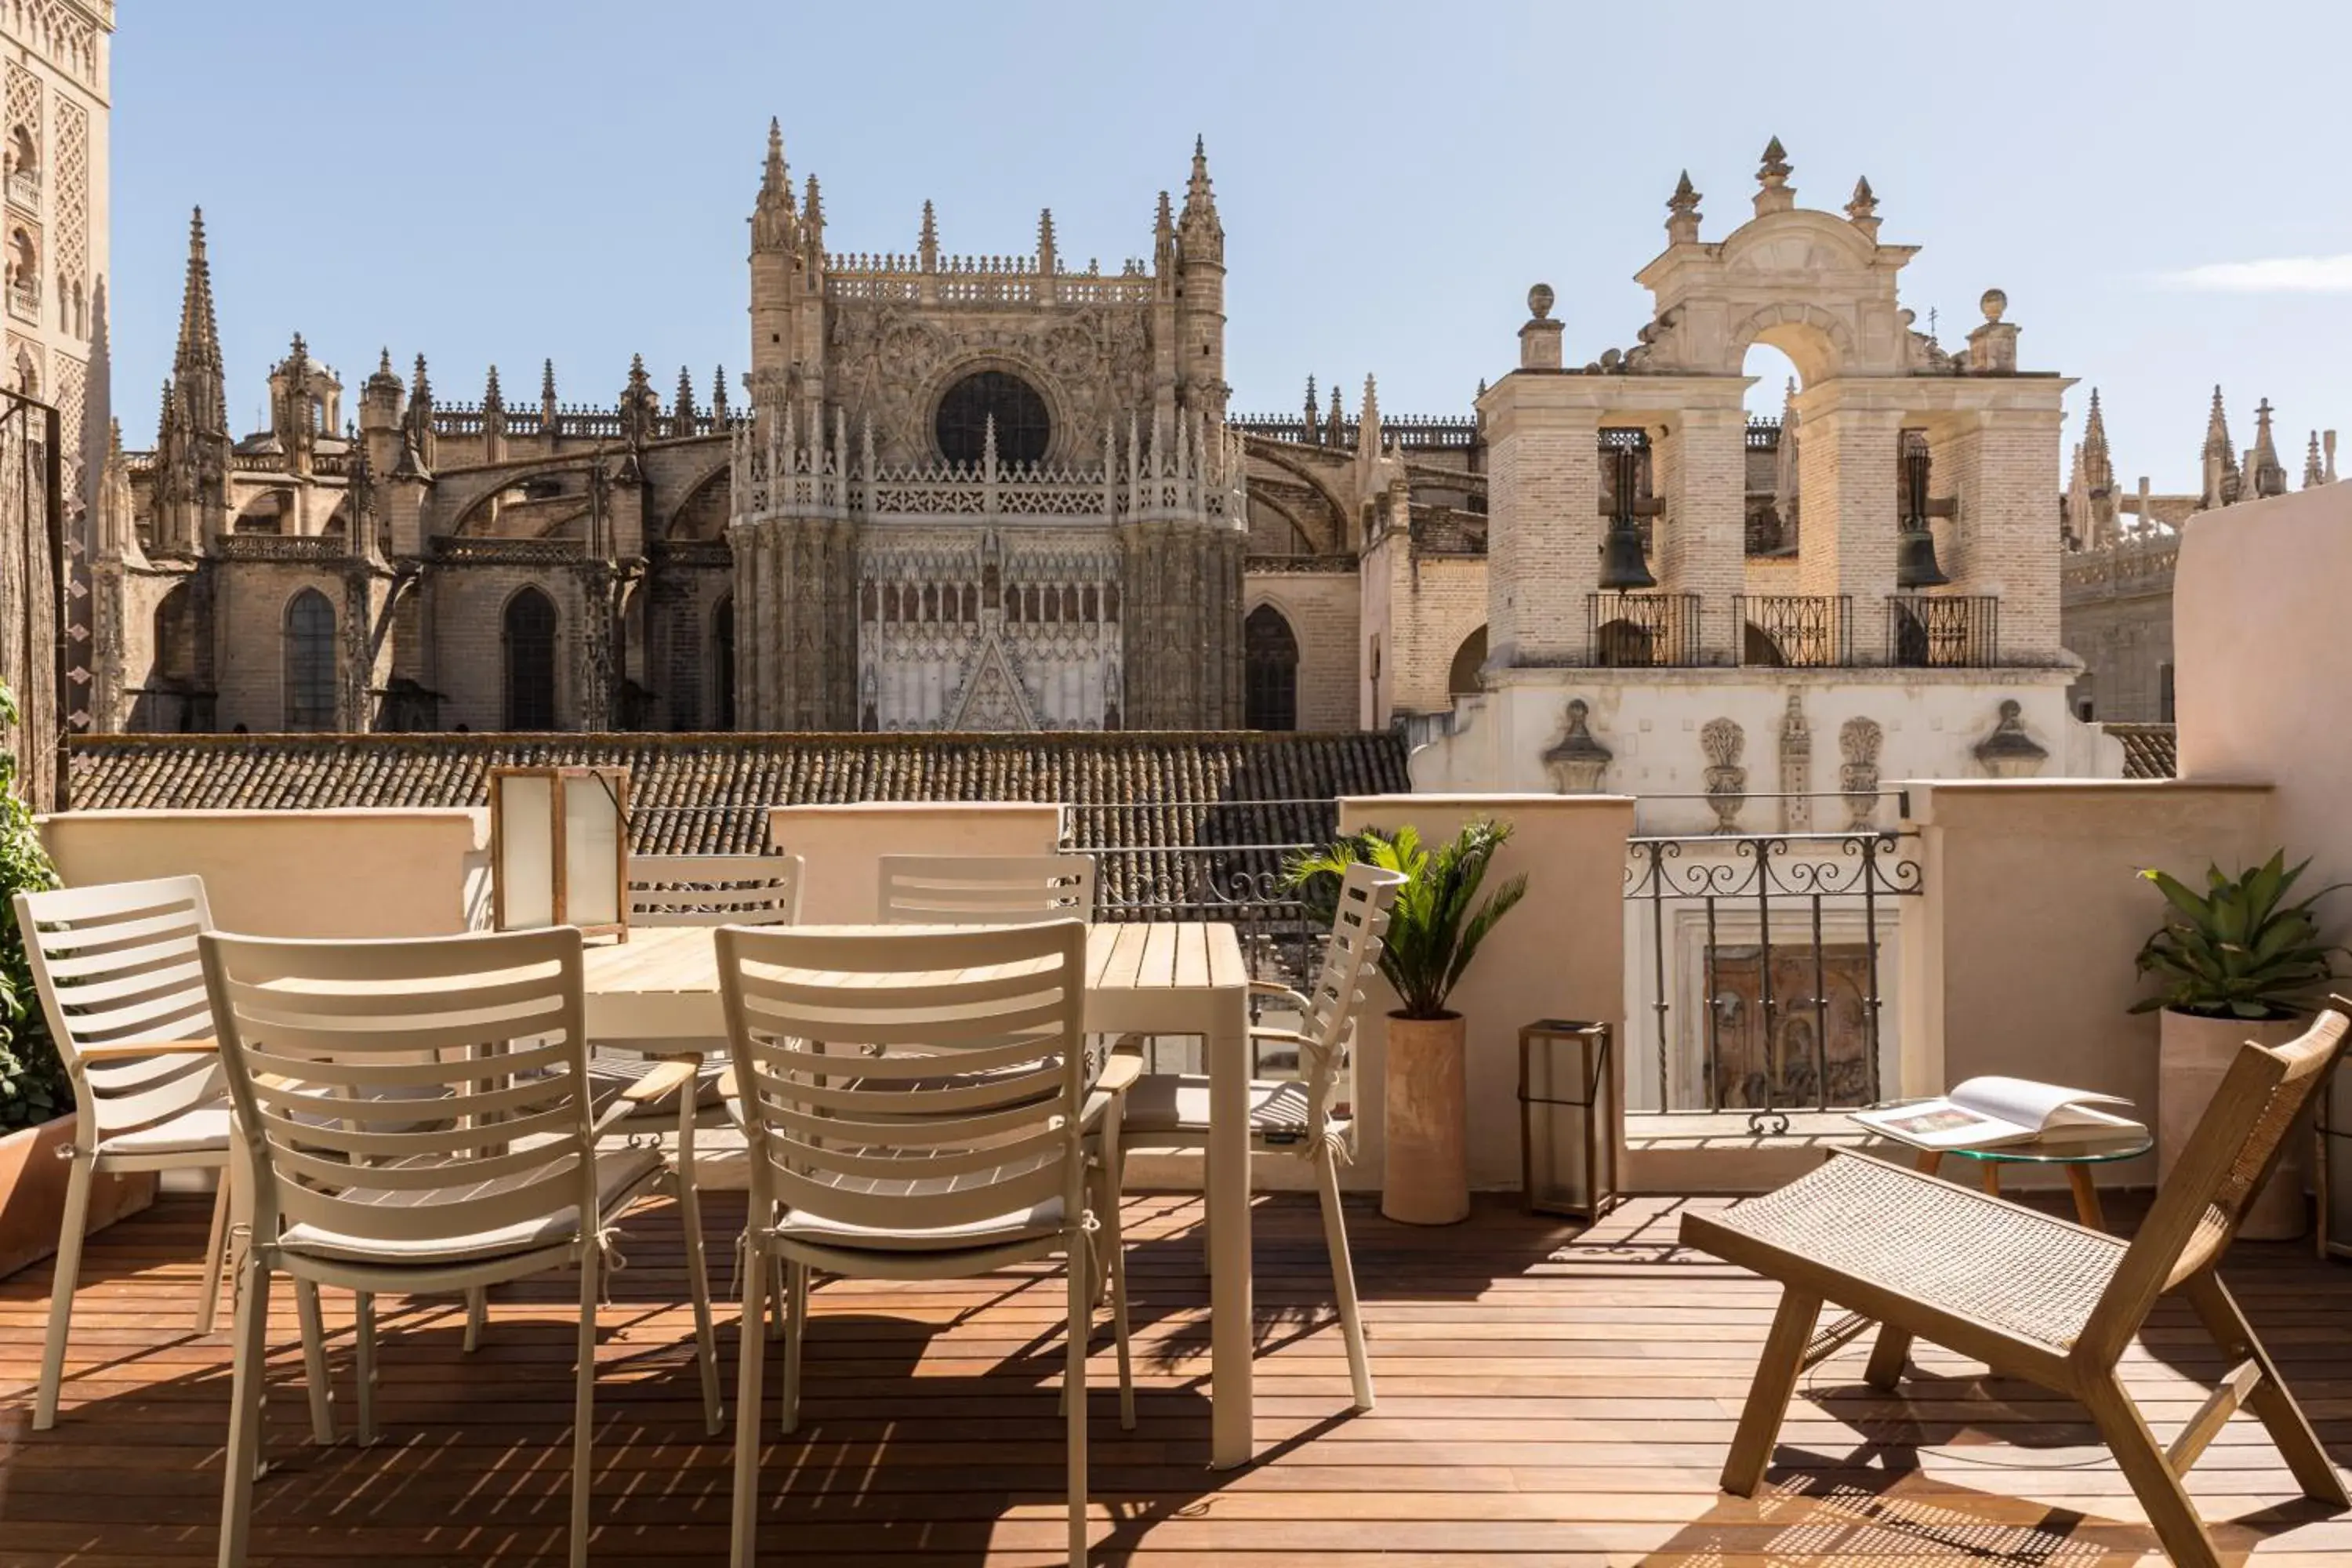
2332 1175
1568 1119
559 849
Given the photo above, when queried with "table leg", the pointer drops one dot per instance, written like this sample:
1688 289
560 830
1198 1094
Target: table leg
1232 1344
2086 1197
1991 1171
1927 1161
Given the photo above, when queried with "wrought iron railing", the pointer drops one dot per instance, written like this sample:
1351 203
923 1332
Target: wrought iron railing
1761 960
1642 631
1795 629
1943 631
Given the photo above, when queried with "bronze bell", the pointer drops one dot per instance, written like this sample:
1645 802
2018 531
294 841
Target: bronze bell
1914 559
1621 565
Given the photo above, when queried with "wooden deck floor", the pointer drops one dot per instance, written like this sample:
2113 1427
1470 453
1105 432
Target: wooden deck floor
1546 1397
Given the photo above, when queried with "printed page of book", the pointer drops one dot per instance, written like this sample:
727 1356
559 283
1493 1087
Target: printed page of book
2021 1102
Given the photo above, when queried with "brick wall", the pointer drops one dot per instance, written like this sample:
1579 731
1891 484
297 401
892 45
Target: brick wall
1323 609
1544 485
469 612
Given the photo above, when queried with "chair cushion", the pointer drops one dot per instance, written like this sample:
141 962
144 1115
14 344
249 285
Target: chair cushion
1931 1241
1179 1102
619 1173
1039 1220
203 1130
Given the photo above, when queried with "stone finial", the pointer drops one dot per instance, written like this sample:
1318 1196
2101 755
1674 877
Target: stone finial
547 385
1862 211
2328 450
1540 339
719 395
1045 246
1992 348
2266 475
2314 473
1682 212
774 223
928 243
684 407
1773 192
492 399
1336 426
199 344
2008 753
421 389
1993 302
1577 762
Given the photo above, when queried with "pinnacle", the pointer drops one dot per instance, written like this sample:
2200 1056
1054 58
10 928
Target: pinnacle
384 361
1686 197
547 381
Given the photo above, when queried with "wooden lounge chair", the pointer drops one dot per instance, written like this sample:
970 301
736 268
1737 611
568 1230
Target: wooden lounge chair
2035 1296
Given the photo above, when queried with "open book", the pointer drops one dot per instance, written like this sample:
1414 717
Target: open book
1988 1112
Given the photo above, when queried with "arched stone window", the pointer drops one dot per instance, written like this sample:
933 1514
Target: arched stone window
310 662
1270 671
1461 678
529 647
722 659
1024 429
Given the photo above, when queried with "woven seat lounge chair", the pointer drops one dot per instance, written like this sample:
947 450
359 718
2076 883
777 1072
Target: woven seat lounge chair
2035 1296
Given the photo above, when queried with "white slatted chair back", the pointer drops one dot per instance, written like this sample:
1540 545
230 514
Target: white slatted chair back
487 1028
1359 923
117 965
986 889
959 1100
715 890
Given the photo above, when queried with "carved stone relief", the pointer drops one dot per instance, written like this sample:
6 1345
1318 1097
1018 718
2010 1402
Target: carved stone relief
1727 782
1578 762
1858 741
1796 767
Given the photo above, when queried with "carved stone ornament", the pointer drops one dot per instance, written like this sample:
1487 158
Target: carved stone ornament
2008 753
1726 781
1858 741
1577 762
1796 767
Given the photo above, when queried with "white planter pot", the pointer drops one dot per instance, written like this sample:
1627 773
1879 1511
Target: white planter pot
2193 1054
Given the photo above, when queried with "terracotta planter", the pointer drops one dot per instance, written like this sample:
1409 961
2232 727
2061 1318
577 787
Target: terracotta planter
33 1194
2193 1055
1427 1179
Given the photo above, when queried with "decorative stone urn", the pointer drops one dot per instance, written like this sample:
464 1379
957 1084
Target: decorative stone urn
2193 1053
1424 1122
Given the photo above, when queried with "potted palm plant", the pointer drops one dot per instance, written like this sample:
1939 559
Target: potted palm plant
1434 930
2235 963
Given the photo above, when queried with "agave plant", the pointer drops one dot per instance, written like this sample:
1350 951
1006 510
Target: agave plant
2239 950
1438 922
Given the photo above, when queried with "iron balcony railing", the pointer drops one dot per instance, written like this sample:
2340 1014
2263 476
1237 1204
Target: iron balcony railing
1642 631
1761 960
1795 629
1943 631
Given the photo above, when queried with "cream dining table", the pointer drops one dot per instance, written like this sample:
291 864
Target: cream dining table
1149 978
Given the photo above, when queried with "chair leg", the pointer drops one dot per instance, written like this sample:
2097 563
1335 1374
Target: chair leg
216 1255
2273 1403
250 1360
706 1338
1073 1398
796 1333
363 1365
751 1345
779 1303
61 1294
583 1408
314 1363
478 1316
1110 1240
1767 1396
1343 1276
2178 1528
1887 1357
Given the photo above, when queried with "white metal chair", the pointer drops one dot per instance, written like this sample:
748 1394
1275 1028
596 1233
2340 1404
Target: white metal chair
122 990
414 1117
954 1144
1170 1111
986 889
715 890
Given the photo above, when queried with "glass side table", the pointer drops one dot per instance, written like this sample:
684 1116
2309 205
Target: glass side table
2078 1156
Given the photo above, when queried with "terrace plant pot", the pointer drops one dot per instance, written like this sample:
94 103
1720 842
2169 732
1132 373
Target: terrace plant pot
2193 1053
33 1193
1424 1122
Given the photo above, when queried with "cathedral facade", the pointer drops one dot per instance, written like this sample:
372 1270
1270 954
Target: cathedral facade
951 492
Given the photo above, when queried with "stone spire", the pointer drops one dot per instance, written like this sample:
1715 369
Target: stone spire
491 399
1682 212
196 360
417 446
1047 256
2221 460
385 379
1312 410
640 403
2098 462
774 224
1784 466
812 220
1862 211
547 396
930 242
719 397
1204 234
1773 194
2314 472
2269 475
1336 425
1164 237
685 409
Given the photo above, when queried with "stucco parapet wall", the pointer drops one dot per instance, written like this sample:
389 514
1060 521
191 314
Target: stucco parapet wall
474 820
1947 803
1513 803
1586 676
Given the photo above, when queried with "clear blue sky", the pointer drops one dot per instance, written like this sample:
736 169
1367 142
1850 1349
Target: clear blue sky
508 181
